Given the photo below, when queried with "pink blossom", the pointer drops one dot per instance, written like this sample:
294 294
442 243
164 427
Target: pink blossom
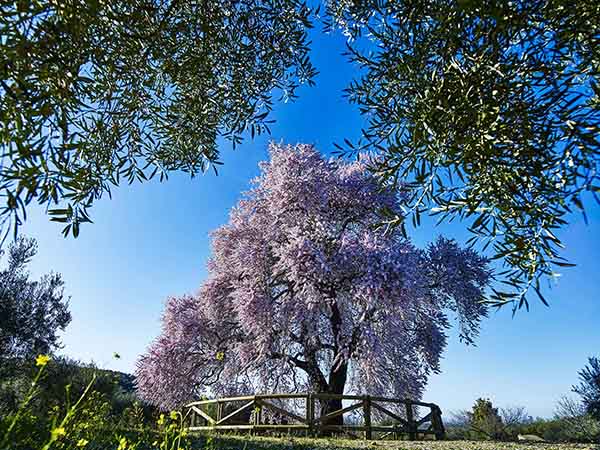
305 292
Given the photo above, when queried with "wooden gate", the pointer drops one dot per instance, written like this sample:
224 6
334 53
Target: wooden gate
380 416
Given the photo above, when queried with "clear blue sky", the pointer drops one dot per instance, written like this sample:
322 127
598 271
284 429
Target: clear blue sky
151 241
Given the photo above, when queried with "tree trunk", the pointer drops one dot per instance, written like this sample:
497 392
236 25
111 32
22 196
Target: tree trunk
337 376
337 382
328 406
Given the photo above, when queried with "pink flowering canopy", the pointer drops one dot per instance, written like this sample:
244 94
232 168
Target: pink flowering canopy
304 291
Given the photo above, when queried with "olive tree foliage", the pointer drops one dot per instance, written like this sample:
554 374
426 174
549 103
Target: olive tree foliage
490 110
32 313
303 293
486 110
94 93
589 387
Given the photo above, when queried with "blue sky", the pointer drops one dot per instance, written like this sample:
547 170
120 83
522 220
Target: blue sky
151 241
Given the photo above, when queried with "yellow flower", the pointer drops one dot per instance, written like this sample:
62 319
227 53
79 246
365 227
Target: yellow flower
161 419
173 415
42 360
57 433
122 443
82 442
220 356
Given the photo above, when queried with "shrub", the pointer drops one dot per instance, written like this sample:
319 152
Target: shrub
85 421
65 377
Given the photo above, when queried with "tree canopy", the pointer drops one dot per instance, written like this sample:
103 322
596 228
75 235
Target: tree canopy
486 111
486 422
490 110
32 313
93 93
589 387
303 292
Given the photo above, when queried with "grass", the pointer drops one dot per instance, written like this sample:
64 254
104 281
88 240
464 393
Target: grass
297 443
86 424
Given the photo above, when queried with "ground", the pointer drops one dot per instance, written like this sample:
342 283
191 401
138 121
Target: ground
295 443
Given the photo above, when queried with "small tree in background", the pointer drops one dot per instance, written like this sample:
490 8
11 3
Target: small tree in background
486 421
589 388
32 313
457 424
304 292
580 426
513 420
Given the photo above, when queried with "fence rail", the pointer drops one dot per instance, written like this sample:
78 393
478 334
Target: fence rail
250 413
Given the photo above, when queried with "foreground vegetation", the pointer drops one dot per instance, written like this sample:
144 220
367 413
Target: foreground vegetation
102 415
58 403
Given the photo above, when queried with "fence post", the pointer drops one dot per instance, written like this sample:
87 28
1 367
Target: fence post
437 424
412 429
219 411
367 413
257 413
310 412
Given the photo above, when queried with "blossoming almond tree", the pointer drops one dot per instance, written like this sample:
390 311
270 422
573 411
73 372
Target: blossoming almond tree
305 292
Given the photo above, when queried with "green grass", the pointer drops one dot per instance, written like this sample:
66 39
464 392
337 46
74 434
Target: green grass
297 443
87 424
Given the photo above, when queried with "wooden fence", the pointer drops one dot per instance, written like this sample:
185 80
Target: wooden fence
255 413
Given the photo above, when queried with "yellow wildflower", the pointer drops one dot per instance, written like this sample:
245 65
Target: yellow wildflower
42 360
161 419
220 356
173 415
122 443
82 442
57 433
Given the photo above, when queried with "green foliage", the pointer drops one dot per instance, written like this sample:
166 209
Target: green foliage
32 313
570 424
552 430
84 421
64 379
490 110
64 376
96 92
589 388
487 111
558 429
486 423
89 421
580 425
